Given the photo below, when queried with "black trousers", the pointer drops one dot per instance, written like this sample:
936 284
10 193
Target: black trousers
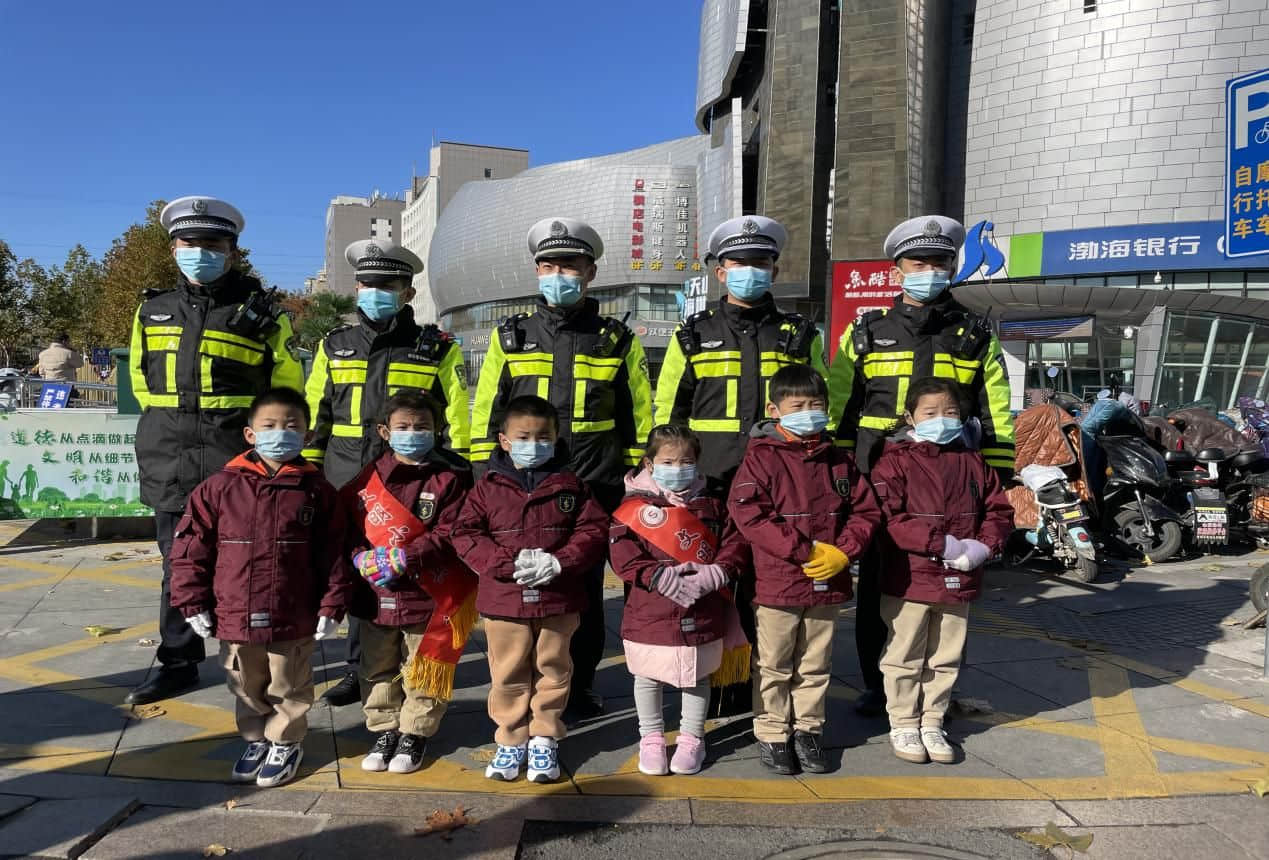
179 646
870 629
353 644
587 645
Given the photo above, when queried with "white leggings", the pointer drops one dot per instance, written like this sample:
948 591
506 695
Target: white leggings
647 696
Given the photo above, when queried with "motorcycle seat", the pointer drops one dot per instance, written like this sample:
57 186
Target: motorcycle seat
1180 459
1212 455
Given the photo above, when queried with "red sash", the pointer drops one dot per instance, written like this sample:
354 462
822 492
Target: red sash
387 522
681 535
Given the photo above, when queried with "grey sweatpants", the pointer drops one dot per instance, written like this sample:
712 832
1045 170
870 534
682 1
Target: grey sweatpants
647 696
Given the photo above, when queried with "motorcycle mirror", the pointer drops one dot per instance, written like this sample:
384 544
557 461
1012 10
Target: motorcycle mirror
1052 373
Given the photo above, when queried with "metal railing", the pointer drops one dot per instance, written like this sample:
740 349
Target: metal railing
90 395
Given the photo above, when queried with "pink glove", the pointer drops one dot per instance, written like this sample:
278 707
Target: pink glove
671 583
952 548
975 556
702 579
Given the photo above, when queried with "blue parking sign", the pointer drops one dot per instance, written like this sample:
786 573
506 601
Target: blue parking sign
1247 165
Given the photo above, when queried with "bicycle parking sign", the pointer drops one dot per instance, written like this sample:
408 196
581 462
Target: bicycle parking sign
1247 165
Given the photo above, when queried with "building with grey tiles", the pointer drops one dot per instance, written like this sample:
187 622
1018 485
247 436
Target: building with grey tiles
349 219
1095 152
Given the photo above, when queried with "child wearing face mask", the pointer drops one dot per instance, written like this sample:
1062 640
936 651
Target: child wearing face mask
416 600
946 514
531 531
258 561
672 542
806 511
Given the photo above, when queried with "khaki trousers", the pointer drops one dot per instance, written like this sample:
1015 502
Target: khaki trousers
792 663
273 684
530 668
387 703
922 659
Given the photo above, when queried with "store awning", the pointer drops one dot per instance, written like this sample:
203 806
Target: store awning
1112 305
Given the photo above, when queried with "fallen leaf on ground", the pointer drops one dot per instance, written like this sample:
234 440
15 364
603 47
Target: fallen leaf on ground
1054 836
482 756
443 822
140 551
970 705
1261 787
1212 568
118 556
231 803
215 850
1230 622
147 642
147 712
100 630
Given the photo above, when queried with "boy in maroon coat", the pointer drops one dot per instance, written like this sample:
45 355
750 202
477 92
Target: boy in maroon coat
417 602
946 515
258 561
530 531
806 511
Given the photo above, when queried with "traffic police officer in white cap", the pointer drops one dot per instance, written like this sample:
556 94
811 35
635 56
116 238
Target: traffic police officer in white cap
926 333
593 370
200 352
357 367
719 362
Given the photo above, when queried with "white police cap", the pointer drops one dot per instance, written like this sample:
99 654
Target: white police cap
386 259
752 233
564 237
201 216
925 235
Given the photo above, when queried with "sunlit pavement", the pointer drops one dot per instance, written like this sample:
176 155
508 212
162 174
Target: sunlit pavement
1133 709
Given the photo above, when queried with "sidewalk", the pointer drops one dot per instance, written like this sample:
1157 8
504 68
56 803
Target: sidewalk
1130 709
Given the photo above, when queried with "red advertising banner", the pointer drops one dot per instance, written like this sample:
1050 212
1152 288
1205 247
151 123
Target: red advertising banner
858 286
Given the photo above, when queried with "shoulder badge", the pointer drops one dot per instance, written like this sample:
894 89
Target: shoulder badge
160 317
306 516
425 509
885 341
460 374
343 353
293 347
711 344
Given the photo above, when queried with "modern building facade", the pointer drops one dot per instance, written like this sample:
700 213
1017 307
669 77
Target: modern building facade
450 165
349 219
1095 171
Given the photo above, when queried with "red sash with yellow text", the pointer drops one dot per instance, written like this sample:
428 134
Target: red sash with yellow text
682 536
387 522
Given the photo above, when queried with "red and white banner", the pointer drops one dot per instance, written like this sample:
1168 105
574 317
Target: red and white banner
858 286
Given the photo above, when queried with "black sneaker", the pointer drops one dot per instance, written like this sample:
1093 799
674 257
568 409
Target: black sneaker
384 749
409 757
777 757
810 752
346 692
871 703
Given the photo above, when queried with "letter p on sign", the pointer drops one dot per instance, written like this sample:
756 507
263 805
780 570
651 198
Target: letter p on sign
1251 111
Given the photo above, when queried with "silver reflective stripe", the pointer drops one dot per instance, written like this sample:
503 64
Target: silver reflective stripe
259 619
387 603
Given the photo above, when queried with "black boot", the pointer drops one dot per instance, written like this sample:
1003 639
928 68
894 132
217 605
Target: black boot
163 684
346 692
810 752
777 757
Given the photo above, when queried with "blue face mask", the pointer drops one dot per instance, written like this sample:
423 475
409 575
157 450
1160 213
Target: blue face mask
748 283
562 291
673 478
412 444
805 423
377 304
201 265
529 454
940 431
279 445
925 286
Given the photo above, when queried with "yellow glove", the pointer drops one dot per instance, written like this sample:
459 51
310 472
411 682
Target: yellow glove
826 562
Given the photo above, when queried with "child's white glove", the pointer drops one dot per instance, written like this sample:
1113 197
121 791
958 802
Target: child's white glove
201 624
548 567
526 560
952 548
326 626
974 556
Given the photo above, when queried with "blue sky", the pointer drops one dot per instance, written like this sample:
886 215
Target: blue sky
277 107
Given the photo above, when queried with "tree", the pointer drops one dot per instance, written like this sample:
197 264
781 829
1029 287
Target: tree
313 316
14 326
65 299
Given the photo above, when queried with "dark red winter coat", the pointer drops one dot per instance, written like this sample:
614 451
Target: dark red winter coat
509 510
652 618
265 555
789 493
927 492
434 491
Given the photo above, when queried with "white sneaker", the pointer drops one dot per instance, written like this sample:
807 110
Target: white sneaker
935 743
281 765
907 745
506 764
376 761
544 760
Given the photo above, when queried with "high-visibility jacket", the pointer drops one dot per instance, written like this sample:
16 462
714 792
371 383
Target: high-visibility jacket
883 351
356 368
196 362
591 368
716 371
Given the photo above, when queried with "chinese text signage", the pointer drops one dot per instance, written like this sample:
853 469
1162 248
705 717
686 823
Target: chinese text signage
1247 165
663 227
1134 248
857 287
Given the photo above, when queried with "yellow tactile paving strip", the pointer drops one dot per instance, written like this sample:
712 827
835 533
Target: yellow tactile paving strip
1128 749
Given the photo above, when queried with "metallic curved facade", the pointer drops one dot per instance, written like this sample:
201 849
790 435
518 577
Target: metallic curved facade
479 252
724 25
1106 118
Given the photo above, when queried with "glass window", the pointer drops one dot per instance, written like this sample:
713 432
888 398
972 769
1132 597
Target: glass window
1190 373
1123 280
1190 280
1227 283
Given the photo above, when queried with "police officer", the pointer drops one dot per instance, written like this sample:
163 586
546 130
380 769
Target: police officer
200 353
593 370
717 365
357 367
926 333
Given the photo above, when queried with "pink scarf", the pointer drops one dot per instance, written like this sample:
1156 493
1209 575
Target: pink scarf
640 481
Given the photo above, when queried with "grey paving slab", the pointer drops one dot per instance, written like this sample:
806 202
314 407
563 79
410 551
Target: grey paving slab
1033 755
157 832
179 793
983 648
1210 722
62 828
1167 810
61 719
97 600
1151 841
494 838
884 813
1064 686
11 803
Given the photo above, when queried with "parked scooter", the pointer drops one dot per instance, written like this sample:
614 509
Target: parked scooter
1134 512
1198 493
1062 533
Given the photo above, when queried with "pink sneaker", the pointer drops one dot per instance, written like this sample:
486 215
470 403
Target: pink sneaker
689 754
652 755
